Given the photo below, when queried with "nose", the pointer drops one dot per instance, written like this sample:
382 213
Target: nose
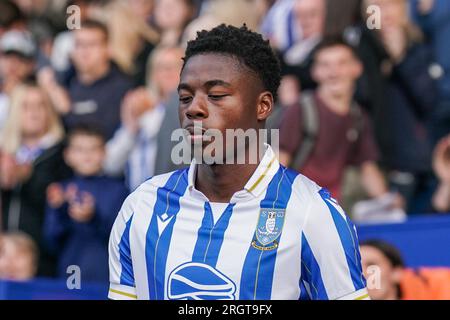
197 109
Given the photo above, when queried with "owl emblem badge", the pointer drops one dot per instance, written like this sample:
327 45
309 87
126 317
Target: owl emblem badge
270 225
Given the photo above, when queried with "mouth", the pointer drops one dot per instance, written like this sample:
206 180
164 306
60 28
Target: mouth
196 134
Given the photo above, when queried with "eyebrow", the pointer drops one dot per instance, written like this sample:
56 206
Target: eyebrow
208 84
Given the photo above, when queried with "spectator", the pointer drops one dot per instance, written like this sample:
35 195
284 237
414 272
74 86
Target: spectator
130 46
17 63
139 147
171 18
310 16
433 16
64 41
31 159
441 165
97 88
18 257
389 279
409 95
279 25
11 17
82 210
142 9
341 135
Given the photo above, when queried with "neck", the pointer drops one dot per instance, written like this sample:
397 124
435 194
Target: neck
221 181
92 75
32 140
338 103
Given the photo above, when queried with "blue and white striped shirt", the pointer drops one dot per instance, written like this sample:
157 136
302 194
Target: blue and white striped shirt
282 237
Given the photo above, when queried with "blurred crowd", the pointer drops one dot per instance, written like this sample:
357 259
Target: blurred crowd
86 115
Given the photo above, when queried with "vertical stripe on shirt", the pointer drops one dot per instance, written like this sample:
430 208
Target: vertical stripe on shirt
126 274
160 231
210 236
258 270
348 240
311 272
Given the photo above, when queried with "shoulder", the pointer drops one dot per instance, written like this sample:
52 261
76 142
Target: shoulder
303 188
149 188
164 180
316 200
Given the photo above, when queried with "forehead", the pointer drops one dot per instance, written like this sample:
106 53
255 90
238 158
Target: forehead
84 138
89 32
373 254
206 67
337 52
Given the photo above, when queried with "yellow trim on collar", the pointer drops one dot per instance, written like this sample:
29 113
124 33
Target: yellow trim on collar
263 175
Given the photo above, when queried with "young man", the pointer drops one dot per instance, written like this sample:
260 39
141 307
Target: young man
91 92
343 137
232 231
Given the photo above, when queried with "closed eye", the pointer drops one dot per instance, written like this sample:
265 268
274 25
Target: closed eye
185 99
217 96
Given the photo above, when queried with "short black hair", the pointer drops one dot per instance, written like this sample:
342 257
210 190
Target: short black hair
85 129
335 41
247 46
389 251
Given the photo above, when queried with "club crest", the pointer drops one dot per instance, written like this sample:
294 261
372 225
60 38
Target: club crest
270 225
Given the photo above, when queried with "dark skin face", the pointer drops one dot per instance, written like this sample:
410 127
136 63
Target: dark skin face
221 93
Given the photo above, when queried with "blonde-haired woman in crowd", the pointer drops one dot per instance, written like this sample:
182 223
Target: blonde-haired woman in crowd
131 37
31 159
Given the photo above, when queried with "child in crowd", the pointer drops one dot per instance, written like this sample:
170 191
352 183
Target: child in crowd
18 256
81 210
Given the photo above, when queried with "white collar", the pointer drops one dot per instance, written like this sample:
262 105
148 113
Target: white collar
256 185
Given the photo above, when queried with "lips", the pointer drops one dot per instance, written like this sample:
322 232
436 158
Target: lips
193 131
196 134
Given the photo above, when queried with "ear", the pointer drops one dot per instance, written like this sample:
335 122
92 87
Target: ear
265 105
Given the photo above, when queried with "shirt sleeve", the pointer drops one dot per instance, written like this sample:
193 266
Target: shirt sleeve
121 275
330 258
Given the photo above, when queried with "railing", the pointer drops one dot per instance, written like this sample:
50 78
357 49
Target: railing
422 240
48 289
